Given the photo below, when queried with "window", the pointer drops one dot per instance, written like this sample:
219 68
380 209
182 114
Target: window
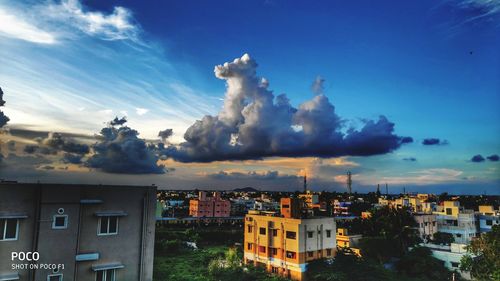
274 251
454 264
286 206
459 235
319 232
262 231
291 235
310 234
489 222
250 229
105 275
291 255
274 269
9 229
328 252
108 226
262 249
275 232
448 211
310 254
249 246
328 233
60 222
55 277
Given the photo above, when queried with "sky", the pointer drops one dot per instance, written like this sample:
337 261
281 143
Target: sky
229 94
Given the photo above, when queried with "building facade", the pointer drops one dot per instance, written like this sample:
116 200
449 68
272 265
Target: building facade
346 240
426 224
456 221
285 243
97 233
205 206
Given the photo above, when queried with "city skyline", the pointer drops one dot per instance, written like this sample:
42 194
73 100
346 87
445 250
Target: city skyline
417 112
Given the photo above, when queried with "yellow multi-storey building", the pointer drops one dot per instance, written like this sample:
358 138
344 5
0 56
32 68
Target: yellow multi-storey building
346 240
285 243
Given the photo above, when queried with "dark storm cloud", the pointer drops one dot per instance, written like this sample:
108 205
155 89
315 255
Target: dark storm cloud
477 158
3 119
268 175
254 124
165 134
11 145
434 141
58 142
119 150
493 158
410 159
72 158
118 121
30 149
406 140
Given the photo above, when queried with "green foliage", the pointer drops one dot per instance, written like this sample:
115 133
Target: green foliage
347 267
379 248
443 238
229 268
420 263
388 233
486 263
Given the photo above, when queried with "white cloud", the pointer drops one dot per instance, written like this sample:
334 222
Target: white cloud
49 22
118 25
141 111
13 26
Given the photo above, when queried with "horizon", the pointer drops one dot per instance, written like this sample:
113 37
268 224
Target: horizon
229 95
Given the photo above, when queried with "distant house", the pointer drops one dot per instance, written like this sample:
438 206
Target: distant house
205 206
99 233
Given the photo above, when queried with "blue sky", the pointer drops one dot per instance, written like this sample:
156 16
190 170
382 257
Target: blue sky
430 67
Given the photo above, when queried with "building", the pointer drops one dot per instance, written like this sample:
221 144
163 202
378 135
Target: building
284 243
456 221
97 232
426 225
488 217
413 203
213 206
450 255
341 208
311 199
346 240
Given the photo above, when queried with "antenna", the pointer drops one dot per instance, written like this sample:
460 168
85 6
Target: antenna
349 182
386 189
305 183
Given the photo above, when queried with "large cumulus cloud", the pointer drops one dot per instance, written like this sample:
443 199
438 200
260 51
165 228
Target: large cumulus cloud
3 118
119 150
253 124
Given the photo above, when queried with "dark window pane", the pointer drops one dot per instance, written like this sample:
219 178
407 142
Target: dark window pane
11 231
104 225
99 275
60 221
110 275
113 224
55 278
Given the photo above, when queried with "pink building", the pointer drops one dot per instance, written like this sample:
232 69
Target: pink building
209 206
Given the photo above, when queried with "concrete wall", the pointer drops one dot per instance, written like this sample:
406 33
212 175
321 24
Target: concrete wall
133 246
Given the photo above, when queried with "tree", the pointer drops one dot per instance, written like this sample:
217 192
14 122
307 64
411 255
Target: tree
482 259
443 238
347 267
420 263
397 226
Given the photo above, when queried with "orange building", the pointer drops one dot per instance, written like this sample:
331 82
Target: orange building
283 244
213 206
